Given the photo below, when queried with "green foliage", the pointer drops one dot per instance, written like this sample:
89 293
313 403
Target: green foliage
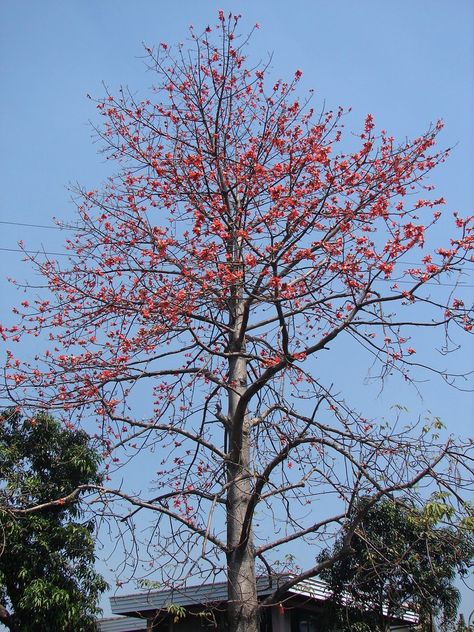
401 557
148 584
177 612
47 579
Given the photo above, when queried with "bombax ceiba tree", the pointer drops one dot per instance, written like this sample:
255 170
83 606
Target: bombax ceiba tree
240 236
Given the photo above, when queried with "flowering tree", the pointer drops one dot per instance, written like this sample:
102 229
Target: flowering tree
205 280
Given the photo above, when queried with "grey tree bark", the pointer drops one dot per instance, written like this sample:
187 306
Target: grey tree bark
242 590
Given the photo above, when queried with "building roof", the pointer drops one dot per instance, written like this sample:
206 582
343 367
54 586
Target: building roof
189 596
186 596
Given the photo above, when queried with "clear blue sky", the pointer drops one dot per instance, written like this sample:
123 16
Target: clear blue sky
408 62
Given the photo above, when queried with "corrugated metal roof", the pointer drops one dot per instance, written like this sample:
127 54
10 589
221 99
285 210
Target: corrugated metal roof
186 596
318 589
217 593
315 588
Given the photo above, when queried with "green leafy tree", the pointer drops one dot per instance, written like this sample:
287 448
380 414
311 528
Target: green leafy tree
402 557
47 579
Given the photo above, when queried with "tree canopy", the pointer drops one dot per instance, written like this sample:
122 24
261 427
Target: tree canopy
240 239
403 559
47 576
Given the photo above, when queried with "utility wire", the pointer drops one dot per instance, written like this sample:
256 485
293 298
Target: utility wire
394 281
50 226
70 254
30 225
37 252
63 254
66 254
9 223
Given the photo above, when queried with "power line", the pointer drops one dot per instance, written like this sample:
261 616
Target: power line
37 252
65 254
30 225
70 254
404 281
50 226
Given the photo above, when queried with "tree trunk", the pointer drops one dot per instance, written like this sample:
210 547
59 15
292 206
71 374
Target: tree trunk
242 609
242 590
